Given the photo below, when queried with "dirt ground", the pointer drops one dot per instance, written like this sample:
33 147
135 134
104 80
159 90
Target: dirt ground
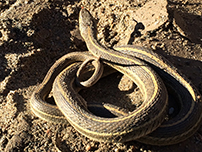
35 33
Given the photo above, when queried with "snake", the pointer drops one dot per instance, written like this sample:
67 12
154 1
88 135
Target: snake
144 124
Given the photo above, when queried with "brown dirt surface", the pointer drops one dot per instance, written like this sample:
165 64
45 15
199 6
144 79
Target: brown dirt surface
35 33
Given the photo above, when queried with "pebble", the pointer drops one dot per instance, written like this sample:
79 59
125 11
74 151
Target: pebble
88 147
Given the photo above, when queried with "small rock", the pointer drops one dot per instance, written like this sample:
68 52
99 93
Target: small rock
88 147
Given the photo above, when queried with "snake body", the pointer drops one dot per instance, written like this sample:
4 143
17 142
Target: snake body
38 103
140 122
188 119
134 62
186 122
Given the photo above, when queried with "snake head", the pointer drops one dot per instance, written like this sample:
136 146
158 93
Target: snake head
86 22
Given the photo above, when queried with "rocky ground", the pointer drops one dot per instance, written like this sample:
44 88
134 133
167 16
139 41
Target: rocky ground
35 33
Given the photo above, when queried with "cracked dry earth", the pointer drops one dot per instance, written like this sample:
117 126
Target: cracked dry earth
35 33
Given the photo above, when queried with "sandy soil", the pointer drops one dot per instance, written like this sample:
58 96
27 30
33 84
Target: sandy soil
35 33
